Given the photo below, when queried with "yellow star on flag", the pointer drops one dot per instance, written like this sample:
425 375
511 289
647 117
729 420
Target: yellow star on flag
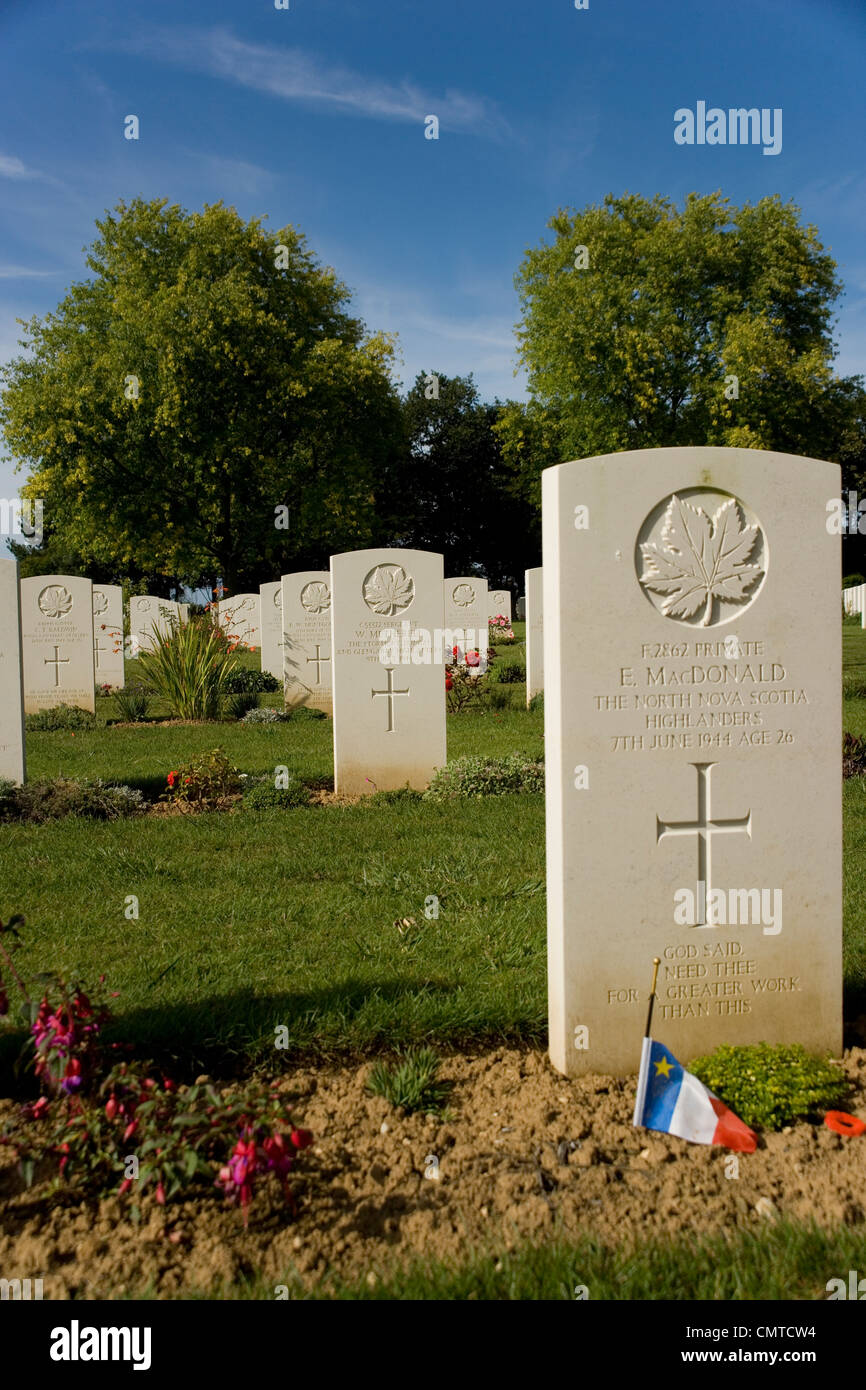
663 1068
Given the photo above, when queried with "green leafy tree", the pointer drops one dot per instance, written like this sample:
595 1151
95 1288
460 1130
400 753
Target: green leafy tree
457 489
206 374
709 324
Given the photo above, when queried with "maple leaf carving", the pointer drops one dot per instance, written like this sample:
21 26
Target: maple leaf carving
388 589
701 558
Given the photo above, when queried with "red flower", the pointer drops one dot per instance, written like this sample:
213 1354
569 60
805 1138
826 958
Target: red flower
160 1194
171 778
448 683
301 1138
110 1108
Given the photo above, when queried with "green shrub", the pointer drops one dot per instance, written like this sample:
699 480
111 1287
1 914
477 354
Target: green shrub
264 716
240 705
508 673
851 579
411 1082
61 717
132 703
770 1085
264 796
249 682
38 802
478 776
207 783
536 704
190 667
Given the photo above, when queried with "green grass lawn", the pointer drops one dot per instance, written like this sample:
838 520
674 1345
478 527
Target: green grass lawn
248 920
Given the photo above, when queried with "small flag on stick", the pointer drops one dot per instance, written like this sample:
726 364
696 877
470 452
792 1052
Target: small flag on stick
671 1100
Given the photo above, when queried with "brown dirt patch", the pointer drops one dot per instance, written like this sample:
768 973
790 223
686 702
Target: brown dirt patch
527 1155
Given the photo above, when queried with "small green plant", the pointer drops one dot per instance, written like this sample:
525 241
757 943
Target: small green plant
770 1085
508 673
207 783
132 703
60 717
264 715
38 802
264 796
252 682
303 712
240 705
478 776
411 1082
536 704
189 667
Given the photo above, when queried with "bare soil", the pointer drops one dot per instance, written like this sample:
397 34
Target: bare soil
526 1155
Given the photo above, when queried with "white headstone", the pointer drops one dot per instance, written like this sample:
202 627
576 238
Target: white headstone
389 716
12 765
692 732
271 608
108 635
534 632
499 603
241 619
306 609
466 612
146 613
57 642
520 609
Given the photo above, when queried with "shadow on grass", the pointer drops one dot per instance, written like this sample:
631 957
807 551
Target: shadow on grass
227 1035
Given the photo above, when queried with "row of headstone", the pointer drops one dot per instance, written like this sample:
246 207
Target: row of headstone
854 602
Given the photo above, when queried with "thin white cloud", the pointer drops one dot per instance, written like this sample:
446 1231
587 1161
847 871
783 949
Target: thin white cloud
293 75
233 175
12 168
20 272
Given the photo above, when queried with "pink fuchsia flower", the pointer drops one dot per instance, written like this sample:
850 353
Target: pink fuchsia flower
301 1138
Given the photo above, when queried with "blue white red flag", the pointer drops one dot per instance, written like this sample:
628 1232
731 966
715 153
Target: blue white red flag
670 1099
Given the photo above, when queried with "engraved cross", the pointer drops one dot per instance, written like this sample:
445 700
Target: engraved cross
56 662
318 662
704 827
390 692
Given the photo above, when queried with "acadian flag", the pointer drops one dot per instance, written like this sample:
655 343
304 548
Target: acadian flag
670 1099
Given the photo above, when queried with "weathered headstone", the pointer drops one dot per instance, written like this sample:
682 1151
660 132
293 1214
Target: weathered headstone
271 607
108 635
241 619
534 632
499 603
306 617
12 763
466 612
57 642
692 730
146 613
520 609
389 716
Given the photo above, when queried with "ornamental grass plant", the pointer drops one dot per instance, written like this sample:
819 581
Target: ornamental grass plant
190 667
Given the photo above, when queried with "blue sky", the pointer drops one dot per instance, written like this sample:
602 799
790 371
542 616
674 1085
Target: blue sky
315 116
